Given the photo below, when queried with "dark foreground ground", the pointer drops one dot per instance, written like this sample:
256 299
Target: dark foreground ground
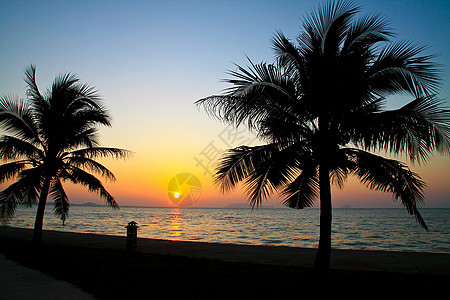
119 274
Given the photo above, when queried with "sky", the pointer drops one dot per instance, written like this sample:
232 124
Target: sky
151 60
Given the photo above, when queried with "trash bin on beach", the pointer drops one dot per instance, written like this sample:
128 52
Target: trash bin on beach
131 235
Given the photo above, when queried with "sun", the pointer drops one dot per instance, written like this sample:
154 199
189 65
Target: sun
184 189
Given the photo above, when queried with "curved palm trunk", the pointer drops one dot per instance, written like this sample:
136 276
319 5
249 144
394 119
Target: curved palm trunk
39 222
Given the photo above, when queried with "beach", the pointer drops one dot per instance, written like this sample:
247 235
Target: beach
102 266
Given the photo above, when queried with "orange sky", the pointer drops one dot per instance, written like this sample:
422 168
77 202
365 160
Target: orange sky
143 179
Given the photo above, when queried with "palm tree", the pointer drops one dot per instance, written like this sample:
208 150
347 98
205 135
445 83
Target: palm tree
51 138
321 110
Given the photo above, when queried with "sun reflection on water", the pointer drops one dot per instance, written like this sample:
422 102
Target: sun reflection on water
175 223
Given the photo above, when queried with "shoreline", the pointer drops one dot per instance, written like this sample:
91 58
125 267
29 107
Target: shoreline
357 260
101 266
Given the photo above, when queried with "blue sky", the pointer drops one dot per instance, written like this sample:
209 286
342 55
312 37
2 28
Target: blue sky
151 60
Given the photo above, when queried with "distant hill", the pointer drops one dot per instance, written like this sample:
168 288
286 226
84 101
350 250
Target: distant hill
238 205
87 204
245 205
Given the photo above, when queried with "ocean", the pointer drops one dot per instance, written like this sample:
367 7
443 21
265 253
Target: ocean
360 229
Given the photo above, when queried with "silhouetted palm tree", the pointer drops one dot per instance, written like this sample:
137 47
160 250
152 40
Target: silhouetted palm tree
51 138
320 108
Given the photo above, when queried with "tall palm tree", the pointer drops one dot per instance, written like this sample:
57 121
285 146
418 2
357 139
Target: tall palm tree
321 110
49 138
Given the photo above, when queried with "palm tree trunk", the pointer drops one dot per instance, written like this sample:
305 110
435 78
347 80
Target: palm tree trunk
322 261
39 222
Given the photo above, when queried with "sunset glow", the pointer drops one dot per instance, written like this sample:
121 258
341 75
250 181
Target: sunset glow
151 60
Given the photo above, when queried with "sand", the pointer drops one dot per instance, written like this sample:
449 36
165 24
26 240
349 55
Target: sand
169 269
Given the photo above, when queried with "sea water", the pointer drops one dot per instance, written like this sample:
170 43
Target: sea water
360 229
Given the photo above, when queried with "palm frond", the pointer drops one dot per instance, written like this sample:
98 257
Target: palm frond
391 176
65 84
418 128
89 164
8 204
84 138
400 69
286 127
258 78
97 152
86 96
90 116
24 191
288 56
11 170
321 18
221 107
77 97
15 148
234 166
337 27
303 191
262 169
366 32
273 170
16 118
258 92
79 176
324 29
338 176
30 183
431 122
33 93
60 199
341 168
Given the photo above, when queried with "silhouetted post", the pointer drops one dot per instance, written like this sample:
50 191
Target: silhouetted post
131 235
